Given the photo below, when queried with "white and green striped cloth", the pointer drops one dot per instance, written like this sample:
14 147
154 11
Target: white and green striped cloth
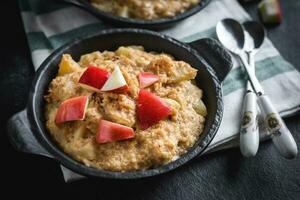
49 25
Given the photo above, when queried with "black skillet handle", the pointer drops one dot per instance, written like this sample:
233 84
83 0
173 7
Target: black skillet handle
23 140
218 57
21 136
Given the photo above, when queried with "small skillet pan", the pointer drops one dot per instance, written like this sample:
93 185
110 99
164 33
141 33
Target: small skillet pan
157 24
211 60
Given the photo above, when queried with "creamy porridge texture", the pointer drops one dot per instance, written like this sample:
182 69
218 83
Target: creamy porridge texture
145 9
150 147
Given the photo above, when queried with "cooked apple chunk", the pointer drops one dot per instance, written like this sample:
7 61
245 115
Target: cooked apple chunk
68 65
119 108
182 72
175 71
200 108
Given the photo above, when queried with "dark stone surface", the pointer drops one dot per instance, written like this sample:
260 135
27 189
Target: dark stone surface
222 175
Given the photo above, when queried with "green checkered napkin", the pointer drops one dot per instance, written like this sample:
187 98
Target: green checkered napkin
49 25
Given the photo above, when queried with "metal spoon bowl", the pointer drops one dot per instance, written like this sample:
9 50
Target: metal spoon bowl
255 34
231 35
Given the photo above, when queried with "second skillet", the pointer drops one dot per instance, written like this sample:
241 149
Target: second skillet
156 24
206 55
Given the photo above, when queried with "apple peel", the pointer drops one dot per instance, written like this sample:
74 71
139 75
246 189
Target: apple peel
93 78
116 82
111 132
146 79
72 109
151 109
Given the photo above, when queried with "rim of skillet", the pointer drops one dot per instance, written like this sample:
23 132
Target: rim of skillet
202 4
78 167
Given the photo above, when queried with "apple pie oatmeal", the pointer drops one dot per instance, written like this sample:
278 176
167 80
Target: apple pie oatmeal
125 110
145 9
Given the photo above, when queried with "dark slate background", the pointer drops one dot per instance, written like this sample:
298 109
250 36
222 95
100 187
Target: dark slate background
222 175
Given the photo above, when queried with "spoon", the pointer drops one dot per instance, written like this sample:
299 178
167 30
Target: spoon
254 35
231 35
249 135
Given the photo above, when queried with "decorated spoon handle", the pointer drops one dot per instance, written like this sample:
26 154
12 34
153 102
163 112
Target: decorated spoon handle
281 136
249 134
249 137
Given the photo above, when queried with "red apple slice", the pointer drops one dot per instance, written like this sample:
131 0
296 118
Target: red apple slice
115 82
93 78
72 109
110 132
151 109
146 79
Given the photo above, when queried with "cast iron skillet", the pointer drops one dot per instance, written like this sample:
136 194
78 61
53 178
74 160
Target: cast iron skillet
156 24
211 60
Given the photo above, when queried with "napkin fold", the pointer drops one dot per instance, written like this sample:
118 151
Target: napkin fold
49 25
